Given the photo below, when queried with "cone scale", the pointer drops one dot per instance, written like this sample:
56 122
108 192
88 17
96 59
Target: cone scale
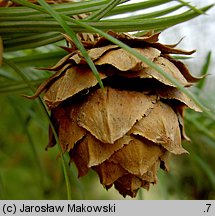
126 131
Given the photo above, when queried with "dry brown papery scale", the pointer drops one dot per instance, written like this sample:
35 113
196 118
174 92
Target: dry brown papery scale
126 131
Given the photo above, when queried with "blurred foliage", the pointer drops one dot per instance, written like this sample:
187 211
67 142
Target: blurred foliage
27 171
193 176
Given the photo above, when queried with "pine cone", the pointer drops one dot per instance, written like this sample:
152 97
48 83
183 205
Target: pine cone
126 131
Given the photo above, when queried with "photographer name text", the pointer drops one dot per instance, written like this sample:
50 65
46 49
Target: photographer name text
109 208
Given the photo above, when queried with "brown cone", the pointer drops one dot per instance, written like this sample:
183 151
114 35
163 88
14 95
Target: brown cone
126 131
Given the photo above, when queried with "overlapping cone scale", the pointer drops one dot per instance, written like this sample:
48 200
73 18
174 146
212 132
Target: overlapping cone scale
127 130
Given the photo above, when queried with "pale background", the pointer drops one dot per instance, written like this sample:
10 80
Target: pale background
199 34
